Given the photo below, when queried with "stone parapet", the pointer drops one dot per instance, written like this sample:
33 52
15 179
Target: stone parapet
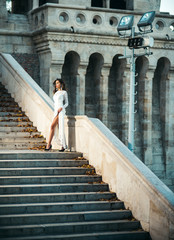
82 20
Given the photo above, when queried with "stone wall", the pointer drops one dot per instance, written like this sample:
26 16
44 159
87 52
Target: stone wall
15 35
30 63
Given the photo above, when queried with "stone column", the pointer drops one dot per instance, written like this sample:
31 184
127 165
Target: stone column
45 69
170 128
80 90
35 4
106 3
55 72
3 10
104 94
147 122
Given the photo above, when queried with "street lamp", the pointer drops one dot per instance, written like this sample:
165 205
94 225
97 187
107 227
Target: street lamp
125 24
146 20
135 41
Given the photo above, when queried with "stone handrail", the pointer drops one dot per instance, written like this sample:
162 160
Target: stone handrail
150 200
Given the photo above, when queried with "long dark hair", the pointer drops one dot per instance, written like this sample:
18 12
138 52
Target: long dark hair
62 85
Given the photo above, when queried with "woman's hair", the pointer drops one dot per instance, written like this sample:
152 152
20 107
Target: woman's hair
62 85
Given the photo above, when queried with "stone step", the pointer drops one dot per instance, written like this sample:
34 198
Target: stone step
12 114
49 179
18 119
63 217
110 235
3 90
9 100
7 104
10 109
20 146
19 139
56 197
45 171
43 163
18 18
13 135
4 93
6 209
6 97
13 125
70 228
6 155
52 188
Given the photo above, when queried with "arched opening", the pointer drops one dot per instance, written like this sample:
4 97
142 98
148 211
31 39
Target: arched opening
20 6
93 85
97 3
119 4
142 65
116 95
122 4
160 93
70 75
9 5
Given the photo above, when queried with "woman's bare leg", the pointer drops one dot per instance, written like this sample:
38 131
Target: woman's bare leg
53 125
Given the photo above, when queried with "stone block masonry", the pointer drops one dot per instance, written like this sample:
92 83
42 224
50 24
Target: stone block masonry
30 63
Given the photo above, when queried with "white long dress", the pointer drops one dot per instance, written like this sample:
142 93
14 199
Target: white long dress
61 101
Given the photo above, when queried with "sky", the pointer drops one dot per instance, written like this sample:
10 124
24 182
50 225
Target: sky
167 6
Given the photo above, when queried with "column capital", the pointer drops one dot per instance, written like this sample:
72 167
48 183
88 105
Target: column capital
82 69
105 70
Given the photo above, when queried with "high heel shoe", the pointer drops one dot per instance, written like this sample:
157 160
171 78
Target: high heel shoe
48 149
62 150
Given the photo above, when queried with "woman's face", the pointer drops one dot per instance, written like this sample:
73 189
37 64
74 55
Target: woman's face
58 85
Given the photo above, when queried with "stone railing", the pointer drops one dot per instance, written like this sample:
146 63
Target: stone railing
82 20
151 201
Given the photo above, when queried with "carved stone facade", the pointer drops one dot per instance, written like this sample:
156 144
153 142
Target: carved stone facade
81 45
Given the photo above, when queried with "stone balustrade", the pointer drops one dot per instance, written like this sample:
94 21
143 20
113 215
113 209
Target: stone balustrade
73 19
151 201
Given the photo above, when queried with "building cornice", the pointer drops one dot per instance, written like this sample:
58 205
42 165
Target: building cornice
93 39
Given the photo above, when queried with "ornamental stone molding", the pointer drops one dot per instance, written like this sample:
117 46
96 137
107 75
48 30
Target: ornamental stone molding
114 41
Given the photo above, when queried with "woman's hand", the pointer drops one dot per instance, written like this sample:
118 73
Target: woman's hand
59 110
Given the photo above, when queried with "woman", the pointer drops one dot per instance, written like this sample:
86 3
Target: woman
60 103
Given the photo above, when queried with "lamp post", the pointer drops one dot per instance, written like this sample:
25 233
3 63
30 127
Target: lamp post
134 42
131 100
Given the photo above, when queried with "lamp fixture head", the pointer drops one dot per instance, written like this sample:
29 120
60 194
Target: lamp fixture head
146 20
125 23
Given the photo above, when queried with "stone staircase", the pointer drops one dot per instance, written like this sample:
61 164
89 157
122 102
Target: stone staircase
16 130
59 196
51 195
